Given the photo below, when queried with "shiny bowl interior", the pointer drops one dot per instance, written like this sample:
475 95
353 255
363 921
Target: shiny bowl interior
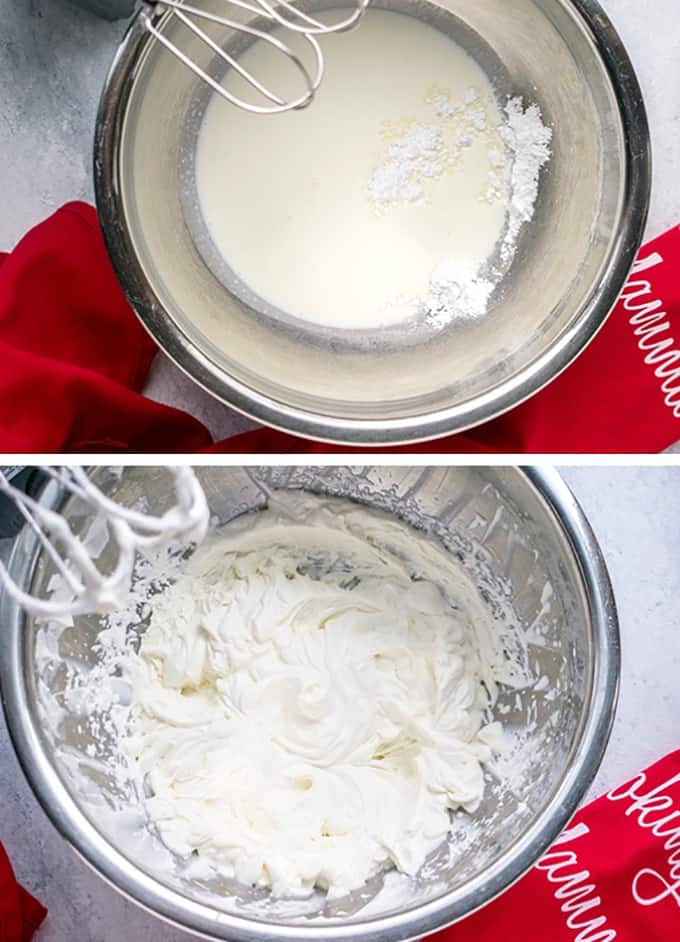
521 536
570 265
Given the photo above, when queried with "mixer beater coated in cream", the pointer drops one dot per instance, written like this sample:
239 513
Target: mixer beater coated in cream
283 15
86 588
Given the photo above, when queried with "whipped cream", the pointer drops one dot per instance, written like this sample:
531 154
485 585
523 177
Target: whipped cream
312 698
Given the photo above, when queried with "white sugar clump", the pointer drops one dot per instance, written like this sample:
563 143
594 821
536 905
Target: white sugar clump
456 290
417 155
516 143
528 140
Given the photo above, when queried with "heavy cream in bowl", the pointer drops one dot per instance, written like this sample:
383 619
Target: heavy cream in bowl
395 200
218 311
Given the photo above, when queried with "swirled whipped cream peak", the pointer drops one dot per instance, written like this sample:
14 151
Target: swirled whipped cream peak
312 698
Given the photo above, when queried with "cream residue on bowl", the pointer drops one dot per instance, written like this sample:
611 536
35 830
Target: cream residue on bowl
312 698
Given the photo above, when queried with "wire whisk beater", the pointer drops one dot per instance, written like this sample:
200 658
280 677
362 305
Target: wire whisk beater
283 14
86 587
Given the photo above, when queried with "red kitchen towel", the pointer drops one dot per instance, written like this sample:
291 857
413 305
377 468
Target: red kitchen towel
73 354
613 874
622 395
20 914
74 358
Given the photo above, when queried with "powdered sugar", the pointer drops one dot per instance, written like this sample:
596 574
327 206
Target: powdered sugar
416 155
418 152
456 286
515 146
528 140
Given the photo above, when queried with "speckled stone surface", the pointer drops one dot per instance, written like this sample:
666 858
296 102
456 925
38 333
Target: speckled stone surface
53 58
635 513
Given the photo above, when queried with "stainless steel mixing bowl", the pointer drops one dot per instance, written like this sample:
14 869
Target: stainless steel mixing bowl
373 388
521 536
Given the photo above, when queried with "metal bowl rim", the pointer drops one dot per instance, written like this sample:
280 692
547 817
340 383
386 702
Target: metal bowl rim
210 923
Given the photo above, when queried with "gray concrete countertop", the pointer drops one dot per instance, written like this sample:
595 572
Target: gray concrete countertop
53 58
635 513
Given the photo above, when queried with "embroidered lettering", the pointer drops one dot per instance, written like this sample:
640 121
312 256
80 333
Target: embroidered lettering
650 322
650 887
577 896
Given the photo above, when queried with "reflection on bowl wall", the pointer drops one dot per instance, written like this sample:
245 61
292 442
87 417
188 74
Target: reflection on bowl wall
568 271
522 538
109 9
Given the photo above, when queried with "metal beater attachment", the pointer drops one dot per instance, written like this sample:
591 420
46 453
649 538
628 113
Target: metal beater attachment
282 14
85 588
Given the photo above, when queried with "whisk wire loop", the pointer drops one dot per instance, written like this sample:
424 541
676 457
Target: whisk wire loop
295 21
86 588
